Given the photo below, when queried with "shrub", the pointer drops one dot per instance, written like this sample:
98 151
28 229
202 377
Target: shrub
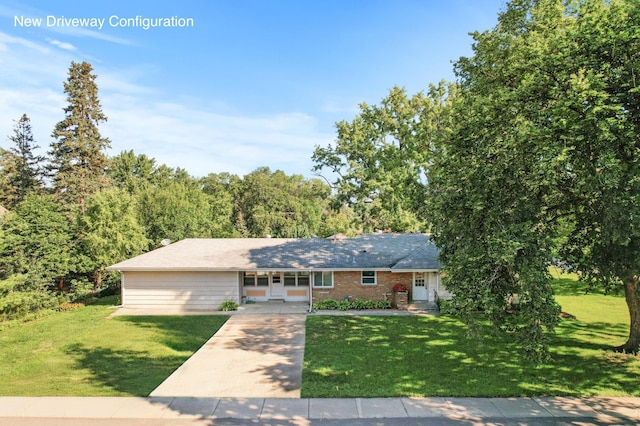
18 304
383 304
63 307
344 305
446 306
81 290
229 305
20 298
361 304
326 304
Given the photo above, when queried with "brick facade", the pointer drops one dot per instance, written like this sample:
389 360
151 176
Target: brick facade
349 284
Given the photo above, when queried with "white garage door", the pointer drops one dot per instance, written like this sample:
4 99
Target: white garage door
179 290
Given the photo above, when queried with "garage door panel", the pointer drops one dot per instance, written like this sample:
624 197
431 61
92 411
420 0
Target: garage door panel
188 290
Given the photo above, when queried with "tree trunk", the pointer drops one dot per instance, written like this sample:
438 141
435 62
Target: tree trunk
97 276
632 295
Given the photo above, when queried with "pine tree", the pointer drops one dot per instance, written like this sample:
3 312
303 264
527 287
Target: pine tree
78 160
20 169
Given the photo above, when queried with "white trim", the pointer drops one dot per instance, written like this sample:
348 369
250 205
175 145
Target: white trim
122 292
375 277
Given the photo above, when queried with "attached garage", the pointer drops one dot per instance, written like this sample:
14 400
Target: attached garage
179 290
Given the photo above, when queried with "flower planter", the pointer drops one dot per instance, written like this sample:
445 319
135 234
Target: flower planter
400 300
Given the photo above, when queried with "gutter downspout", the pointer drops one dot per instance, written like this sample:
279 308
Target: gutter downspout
310 292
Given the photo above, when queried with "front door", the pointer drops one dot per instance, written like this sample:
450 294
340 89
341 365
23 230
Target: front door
420 288
277 286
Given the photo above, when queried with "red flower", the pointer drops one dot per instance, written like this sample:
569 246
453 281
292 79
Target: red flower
400 287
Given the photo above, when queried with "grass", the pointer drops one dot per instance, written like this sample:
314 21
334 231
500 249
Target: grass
85 353
433 356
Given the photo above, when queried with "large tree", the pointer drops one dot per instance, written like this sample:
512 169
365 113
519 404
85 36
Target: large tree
545 139
21 170
37 242
378 162
218 189
78 159
132 172
174 211
272 203
109 232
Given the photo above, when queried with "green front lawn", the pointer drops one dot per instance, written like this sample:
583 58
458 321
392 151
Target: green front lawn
85 353
432 356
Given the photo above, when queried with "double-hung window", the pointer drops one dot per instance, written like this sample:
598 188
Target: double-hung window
290 278
303 279
251 279
368 278
323 279
300 279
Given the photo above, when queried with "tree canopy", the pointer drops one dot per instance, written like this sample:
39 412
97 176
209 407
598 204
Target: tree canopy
109 231
545 140
36 242
78 159
21 170
273 203
378 164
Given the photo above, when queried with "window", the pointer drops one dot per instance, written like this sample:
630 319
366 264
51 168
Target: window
368 277
419 280
303 279
276 278
290 278
262 278
323 279
249 278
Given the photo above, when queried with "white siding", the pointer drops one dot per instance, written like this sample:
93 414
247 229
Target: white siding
179 290
442 291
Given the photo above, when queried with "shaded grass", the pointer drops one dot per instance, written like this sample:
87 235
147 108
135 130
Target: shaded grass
85 353
433 356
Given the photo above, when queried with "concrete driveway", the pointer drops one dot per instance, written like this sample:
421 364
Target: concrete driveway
251 356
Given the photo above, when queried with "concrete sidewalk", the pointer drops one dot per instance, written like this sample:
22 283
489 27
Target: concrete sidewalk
466 410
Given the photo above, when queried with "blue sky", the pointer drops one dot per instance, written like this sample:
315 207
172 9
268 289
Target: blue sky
251 83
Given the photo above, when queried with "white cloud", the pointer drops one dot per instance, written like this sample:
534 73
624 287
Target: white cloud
6 40
62 45
205 141
86 33
188 133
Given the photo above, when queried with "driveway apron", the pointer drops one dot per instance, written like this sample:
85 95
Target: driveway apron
251 356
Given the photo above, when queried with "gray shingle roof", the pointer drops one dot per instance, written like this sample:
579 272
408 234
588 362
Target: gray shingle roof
371 251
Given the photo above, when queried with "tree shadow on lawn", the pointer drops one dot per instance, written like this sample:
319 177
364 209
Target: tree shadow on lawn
574 287
584 360
436 357
133 367
126 372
